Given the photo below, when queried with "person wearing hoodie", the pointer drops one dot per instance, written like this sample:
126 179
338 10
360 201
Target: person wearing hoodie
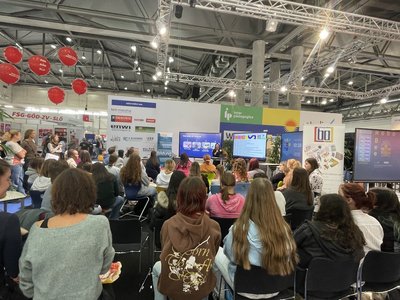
43 181
190 241
260 237
226 204
34 169
165 175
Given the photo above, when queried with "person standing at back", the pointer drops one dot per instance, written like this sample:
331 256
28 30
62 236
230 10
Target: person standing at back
316 181
15 156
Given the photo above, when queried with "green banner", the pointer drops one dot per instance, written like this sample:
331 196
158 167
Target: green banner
241 114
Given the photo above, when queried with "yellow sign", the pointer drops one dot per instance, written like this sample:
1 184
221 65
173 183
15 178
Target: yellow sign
290 119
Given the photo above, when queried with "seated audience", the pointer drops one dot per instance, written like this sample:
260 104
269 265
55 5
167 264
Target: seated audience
387 212
133 175
190 241
120 161
195 171
153 166
164 177
87 166
219 171
292 164
110 151
10 237
360 203
226 204
84 157
315 177
43 181
298 194
184 164
73 158
207 166
240 170
280 199
128 154
332 234
280 174
33 171
107 190
112 169
260 237
60 239
254 168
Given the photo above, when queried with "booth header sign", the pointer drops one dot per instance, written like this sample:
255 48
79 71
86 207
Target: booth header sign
241 114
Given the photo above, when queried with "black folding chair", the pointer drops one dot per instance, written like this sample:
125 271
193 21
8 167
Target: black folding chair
36 197
127 237
225 224
257 281
328 279
140 204
379 272
157 238
296 217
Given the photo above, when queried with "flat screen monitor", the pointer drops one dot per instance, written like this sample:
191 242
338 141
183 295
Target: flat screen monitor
292 146
250 145
197 144
377 155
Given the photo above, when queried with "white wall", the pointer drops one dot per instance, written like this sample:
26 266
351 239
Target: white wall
371 123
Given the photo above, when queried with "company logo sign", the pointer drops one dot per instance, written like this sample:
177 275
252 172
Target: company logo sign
241 114
121 127
323 134
262 136
150 120
138 120
121 119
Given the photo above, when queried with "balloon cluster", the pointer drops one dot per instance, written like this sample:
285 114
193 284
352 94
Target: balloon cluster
41 66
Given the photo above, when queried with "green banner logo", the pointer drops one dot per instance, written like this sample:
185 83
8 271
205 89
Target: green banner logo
241 114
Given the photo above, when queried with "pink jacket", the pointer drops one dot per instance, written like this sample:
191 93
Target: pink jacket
229 209
184 168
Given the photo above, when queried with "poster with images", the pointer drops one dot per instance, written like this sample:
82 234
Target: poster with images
326 145
42 133
164 147
61 132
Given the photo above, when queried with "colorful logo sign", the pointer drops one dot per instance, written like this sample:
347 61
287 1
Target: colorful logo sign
121 119
121 127
261 136
323 134
150 120
241 114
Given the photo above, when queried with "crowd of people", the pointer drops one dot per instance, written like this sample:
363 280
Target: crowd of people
78 195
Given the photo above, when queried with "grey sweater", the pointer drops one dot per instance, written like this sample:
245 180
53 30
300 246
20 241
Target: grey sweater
65 263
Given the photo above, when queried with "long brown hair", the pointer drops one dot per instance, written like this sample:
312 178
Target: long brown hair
278 246
360 197
132 172
227 180
191 198
301 183
239 168
195 169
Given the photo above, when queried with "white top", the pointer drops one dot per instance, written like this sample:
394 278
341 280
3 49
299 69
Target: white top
371 229
280 200
71 162
163 179
41 183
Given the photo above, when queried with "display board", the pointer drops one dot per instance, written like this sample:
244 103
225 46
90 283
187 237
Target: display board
250 145
164 146
292 146
376 155
197 144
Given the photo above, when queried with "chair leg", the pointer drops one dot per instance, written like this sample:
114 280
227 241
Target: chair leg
144 208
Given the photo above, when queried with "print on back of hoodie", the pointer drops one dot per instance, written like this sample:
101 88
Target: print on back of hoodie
191 267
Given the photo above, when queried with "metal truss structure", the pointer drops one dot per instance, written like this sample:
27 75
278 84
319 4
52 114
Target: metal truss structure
302 14
162 39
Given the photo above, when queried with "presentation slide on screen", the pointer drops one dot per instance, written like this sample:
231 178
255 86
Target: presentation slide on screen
376 156
292 146
250 145
198 144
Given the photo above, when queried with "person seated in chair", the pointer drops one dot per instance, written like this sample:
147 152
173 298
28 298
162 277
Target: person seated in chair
164 177
207 166
298 194
190 241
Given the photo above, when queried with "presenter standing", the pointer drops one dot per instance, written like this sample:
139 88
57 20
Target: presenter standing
217 152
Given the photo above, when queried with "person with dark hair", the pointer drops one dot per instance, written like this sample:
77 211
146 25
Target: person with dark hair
254 168
184 164
359 203
128 154
73 158
226 204
29 145
280 199
10 237
153 166
298 194
120 161
107 190
190 241
314 174
112 169
279 175
43 181
79 241
87 166
217 154
84 157
387 212
110 151
54 146
35 165
165 206
195 171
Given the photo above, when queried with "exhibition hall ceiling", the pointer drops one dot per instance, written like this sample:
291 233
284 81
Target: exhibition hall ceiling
113 42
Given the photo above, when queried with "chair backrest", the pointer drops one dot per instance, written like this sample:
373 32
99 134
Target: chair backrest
225 224
258 281
131 190
296 217
37 197
157 232
381 267
329 276
242 188
126 231
215 188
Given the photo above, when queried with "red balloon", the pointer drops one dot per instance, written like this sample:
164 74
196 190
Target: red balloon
12 54
9 73
56 95
68 56
39 65
79 86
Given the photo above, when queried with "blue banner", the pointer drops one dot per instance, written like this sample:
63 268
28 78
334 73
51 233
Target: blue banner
133 103
164 147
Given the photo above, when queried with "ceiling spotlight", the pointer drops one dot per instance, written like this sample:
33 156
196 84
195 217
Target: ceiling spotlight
323 35
350 82
125 88
99 86
271 25
192 3
302 78
154 77
330 69
264 87
158 73
46 81
163 30
154 43
98 51
83 57
69 40
308 101
171 59
138 73
165 88
60 70
168 70
326 75
331 100
283 89
139 69
324 102
122 76
136 62
166 83
306 91
232 93
383 100
133 48
148 90
53 46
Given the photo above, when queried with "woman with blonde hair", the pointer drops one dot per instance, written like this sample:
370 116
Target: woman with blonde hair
240 170
259 237
165 175
15 157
